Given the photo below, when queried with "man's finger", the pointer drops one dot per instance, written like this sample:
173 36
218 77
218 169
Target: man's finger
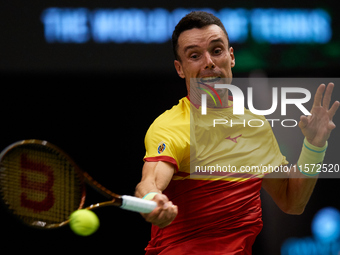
303 122
150 217
318 95
167 215
333 109
327 97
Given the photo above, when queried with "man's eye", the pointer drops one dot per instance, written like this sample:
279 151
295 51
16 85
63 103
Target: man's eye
194 56
217 51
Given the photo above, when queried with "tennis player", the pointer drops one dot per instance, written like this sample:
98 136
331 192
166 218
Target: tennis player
220 214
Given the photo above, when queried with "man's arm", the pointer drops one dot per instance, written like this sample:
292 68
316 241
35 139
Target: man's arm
291 194
292 191
156 176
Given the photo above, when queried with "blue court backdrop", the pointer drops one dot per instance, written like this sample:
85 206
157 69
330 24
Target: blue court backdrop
91 77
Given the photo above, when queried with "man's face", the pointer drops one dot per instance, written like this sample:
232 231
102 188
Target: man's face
204 54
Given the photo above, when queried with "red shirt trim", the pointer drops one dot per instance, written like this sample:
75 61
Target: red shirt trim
163 158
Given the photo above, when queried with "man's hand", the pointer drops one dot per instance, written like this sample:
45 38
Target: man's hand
155 178
318 126
163 214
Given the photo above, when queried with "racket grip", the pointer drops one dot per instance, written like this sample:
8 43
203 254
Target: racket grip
137 204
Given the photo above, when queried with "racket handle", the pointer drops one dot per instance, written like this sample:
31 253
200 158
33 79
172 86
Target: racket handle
137 204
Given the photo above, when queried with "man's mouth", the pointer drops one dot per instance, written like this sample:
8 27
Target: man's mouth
210 79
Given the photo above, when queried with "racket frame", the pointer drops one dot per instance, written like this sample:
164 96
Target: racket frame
116 200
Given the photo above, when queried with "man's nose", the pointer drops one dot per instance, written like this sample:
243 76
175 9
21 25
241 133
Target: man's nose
209 63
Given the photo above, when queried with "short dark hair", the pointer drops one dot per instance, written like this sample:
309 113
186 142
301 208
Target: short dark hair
195 19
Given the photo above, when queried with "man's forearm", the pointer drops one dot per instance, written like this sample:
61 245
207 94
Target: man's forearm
303 175
291 189
298 190
155 178
145 187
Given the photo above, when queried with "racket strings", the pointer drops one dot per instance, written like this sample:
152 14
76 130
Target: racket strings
39 184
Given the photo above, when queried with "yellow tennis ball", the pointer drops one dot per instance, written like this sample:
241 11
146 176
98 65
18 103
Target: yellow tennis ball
84 222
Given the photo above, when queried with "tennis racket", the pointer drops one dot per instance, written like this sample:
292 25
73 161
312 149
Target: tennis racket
41 185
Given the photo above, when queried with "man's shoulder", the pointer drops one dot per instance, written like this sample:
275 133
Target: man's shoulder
178 115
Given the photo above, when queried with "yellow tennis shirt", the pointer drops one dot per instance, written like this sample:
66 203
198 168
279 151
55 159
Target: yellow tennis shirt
218 145
217 157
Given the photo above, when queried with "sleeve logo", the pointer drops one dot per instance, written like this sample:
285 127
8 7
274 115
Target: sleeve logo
161 147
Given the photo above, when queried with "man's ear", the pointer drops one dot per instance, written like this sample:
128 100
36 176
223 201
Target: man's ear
232 56
179 69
